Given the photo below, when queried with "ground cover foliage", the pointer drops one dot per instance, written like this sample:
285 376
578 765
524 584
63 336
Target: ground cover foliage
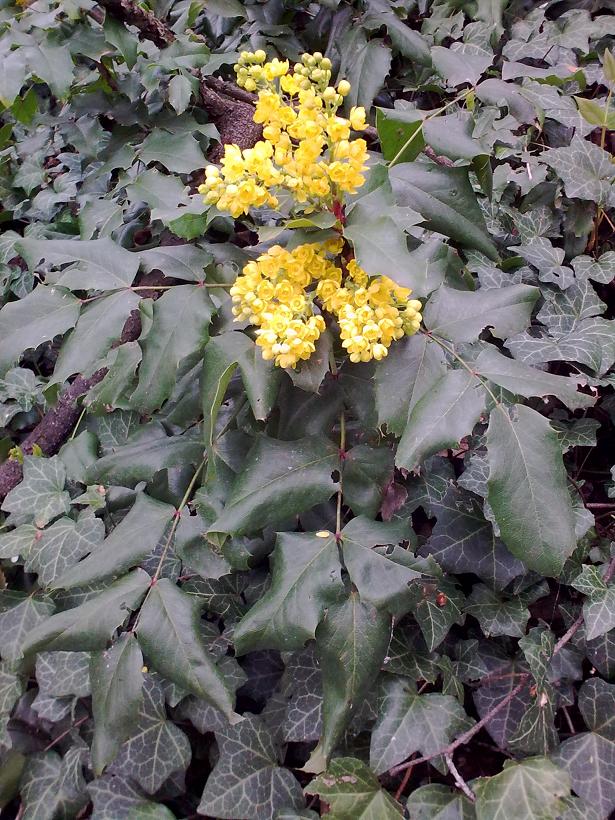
350 590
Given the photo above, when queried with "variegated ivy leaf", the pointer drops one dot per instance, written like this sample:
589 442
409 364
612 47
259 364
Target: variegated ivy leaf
40 497
53 786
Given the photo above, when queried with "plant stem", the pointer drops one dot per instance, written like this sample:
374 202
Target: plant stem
340 489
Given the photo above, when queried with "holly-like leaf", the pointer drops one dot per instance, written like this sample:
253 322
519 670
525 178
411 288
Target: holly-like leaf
278 479
352 790
527 489
366 470
40 496
157 748
445 199
379 578
96 263
90 625
351 643
180 153
100 325
247 781
462 315
117 684
409 723
411 369
306 579
530 790
447 412
526 381
168 634
179 328
589 759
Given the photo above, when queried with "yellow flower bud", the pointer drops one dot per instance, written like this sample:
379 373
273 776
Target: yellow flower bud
343 88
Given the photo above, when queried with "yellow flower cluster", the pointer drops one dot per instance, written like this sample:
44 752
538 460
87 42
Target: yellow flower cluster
283 292
306 150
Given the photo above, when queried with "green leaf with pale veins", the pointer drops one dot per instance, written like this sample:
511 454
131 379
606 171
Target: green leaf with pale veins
40 496
585 169
44 313
527 381
117 693
527 489
63 673
351 644
99 263
434 617
100 325
19 614
128 544
352 791
441 418
278 479
597 705
180 153
247 781
409 723
61 545
437 802
461 315
157 748
530 790
168 635
118 798
53 787
589 759
306 579
180 328
90 625
411 369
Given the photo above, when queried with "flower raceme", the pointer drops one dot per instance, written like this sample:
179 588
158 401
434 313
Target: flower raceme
307 152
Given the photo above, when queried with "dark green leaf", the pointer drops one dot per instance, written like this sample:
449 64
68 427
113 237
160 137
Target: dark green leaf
352 790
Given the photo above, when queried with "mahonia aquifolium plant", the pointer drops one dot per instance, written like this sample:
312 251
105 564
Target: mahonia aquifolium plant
307 153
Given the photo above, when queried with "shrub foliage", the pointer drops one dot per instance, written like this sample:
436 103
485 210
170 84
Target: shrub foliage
241 590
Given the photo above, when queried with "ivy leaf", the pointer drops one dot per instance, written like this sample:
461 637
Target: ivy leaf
437 802
158 748
446 413
351 643
53 787
60 546
409 723
462 540
380 579
589 759
530 790
90 625
129 543
19 614
527 489
585 169
497 615
278 479
100 264
180 92
53 65
408 373
352 790
596 704
99 326
302 686
40 496
247 780
179 328
459 67
59 674
527 381
306 579
117 684
38 317
461 316
117 798
445 199
169 637
435 618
